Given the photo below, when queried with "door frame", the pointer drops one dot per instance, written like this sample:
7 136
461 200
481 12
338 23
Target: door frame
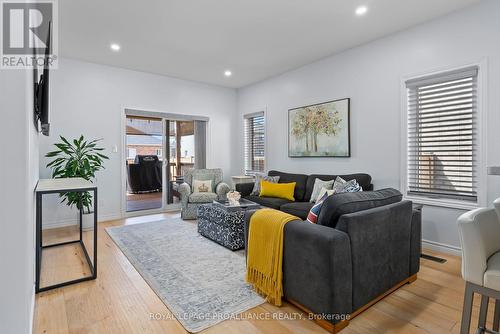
164 206
123 156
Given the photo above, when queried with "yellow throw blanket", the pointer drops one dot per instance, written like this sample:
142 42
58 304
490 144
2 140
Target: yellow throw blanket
265 253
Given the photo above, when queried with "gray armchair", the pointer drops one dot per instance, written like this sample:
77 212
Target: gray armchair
191 201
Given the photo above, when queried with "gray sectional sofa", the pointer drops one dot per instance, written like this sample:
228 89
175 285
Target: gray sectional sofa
303 190
364 246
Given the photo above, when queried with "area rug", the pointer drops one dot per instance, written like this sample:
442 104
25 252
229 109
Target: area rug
201 282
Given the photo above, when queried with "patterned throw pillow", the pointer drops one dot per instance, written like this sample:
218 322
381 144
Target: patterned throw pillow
323 191
353 188
202 186
342 186
318 184
312 216
338 185
259 177
205 177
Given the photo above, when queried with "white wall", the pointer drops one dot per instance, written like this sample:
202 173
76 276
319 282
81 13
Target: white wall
89 99
18 177
371 76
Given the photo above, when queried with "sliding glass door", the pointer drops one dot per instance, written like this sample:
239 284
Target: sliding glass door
144 163
158 153
181 148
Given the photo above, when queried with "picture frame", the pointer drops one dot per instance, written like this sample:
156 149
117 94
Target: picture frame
320 130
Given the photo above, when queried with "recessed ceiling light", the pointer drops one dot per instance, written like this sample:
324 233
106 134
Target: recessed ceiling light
228 73
361 10
115 47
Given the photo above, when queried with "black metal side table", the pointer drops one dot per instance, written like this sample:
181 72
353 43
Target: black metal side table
58 186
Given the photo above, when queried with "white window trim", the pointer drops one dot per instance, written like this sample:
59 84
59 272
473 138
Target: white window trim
482 141
266 162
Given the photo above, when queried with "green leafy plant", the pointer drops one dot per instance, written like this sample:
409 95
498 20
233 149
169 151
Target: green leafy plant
79 158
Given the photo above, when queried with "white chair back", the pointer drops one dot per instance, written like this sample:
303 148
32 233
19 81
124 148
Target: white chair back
479 231
496 205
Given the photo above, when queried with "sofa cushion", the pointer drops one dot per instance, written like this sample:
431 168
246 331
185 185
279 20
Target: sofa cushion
270 202
299 179
202 197
299 209
340 204
364 181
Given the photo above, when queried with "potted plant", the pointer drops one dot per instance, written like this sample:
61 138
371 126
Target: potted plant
79 158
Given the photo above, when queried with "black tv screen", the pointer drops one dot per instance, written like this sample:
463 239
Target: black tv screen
41 91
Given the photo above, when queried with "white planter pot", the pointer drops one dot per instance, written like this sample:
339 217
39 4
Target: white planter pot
88 221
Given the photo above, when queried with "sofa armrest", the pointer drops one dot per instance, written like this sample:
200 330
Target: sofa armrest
245 189
185 190
380 249
316 268
415 241
221 190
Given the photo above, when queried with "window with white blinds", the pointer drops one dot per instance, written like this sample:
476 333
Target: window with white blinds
442 135
254 143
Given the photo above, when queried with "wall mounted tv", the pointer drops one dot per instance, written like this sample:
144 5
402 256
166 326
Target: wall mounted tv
41 90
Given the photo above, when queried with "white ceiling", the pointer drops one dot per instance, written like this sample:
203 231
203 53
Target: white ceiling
255 39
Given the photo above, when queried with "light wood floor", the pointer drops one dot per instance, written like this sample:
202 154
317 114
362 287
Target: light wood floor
120 301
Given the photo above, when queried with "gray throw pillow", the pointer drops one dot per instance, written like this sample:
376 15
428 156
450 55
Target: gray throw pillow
258 178
339 184
318 184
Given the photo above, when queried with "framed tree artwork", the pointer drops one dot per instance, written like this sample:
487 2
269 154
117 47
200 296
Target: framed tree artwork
320 130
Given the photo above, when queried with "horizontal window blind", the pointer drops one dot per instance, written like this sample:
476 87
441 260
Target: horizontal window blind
442 135
254 143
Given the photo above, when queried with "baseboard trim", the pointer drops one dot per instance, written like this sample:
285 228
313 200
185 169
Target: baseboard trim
47 225
443 248
108 217
32 310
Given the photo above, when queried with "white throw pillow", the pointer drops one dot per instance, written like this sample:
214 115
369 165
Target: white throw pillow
202 186
318 184
323 191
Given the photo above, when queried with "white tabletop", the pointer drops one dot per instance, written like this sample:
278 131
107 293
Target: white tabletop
73 183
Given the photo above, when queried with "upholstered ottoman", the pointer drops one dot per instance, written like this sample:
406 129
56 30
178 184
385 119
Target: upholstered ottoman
224 224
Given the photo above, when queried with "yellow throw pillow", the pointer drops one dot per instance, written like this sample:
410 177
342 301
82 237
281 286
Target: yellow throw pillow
278 190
